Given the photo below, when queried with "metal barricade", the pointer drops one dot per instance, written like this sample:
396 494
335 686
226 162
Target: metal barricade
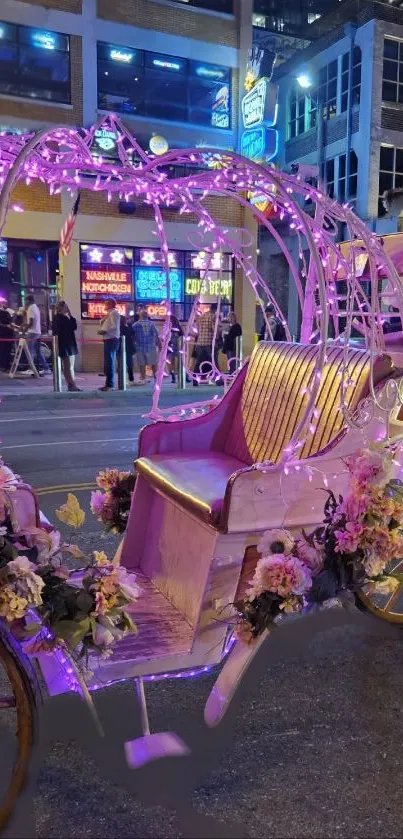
181 364
122 369
239 350
57 370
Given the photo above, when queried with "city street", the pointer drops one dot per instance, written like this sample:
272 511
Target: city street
316 746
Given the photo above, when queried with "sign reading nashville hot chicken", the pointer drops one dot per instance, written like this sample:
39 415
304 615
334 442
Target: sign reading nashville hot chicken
102 283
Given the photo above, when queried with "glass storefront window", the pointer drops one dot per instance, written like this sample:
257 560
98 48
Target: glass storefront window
162 86
34 63
136 279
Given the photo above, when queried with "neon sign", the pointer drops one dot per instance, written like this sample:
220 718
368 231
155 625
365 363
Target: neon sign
156 310
257 106
97 310
44 40
151 284
259 112
214 288
166 65
119 55
107 283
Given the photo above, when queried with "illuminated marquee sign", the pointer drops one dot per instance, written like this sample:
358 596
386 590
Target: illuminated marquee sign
151 284
259 112
213 288
259 144
257 105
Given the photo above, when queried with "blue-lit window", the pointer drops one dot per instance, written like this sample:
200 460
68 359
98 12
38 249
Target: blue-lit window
163 86
34 63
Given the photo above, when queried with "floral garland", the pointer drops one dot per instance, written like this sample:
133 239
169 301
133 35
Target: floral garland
112 506
45 604
360 537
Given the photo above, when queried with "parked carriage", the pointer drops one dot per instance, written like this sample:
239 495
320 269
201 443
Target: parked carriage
210 482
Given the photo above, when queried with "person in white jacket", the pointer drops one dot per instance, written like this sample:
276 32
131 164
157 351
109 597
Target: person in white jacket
110 331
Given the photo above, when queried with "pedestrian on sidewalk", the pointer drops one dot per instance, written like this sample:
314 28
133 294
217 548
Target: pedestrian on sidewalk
110 331
6 333
234 332
64 327
277 328
204 345
147 341
32 331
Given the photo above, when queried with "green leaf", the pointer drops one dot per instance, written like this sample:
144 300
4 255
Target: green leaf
71 632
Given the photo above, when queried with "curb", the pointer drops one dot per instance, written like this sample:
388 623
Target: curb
96 394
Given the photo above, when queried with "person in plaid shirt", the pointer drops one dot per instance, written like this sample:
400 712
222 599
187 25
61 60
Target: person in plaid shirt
204 343
147 340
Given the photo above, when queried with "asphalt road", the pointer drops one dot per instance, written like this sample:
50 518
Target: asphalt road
316 748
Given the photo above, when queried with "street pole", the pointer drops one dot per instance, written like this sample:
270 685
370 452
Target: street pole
181 364
57 373
122 377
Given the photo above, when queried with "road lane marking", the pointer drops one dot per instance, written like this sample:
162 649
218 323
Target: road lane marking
67 488
70 443
61 487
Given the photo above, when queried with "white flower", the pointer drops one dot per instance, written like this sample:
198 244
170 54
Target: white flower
127 584
3 531
106 633
102 636
20 567
276 541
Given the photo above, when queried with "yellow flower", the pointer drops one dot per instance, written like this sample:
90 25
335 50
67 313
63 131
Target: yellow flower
70 512
100 558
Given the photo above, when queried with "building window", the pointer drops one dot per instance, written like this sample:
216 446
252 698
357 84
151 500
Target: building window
163 87
352 191
302 112
328 171
392 81
327 90
390 172
355 79
136 278
34 63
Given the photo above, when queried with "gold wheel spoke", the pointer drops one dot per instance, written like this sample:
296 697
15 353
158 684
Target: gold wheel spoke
393 598
7 702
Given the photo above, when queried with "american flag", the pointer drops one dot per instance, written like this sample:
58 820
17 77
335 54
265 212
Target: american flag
67 231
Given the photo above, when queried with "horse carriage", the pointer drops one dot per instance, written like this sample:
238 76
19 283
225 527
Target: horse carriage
213 478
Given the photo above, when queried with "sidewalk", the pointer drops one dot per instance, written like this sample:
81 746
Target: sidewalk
23 386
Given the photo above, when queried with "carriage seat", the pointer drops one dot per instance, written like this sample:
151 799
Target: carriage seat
194 462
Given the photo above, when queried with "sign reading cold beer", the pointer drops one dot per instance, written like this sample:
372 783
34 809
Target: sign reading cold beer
207 286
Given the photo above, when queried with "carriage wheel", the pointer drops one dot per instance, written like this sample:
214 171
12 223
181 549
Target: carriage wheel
18 712
388 607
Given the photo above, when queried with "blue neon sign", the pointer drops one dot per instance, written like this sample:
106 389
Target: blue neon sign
151 284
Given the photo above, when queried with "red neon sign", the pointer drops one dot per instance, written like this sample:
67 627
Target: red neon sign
98 310
103 281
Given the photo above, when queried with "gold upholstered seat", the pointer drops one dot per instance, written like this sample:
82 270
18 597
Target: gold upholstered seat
258 423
